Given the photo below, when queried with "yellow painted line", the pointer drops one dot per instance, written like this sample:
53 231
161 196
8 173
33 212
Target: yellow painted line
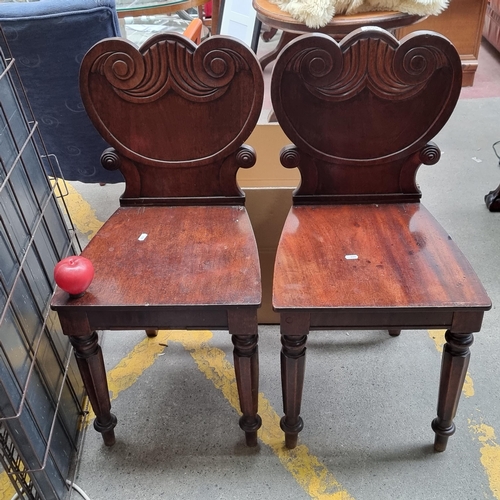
318 482
80 211
490 453
7 491
439 340
306 469
132 366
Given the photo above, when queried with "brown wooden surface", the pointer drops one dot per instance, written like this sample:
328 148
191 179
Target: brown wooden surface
358 250
180 251
273 16
191 256
462 22
491 28
156 121
405 260
360 116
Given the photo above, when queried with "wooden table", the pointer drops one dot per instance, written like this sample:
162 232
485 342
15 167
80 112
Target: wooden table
338 27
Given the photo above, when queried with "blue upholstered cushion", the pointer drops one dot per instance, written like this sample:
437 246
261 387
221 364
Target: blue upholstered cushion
48 39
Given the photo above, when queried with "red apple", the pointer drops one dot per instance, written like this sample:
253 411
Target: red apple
74 274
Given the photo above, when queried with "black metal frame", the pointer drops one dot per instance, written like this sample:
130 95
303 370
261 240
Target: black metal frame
41 393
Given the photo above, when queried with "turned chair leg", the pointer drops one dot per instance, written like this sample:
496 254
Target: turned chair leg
294 329
243 327
90 362
455 360
246 367
293 364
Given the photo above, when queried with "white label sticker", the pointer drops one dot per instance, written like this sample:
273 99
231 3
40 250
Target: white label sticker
351 257
142 237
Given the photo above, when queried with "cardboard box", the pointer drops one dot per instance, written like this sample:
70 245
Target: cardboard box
268 188
268 140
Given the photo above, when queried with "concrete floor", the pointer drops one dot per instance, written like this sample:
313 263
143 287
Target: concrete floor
368 400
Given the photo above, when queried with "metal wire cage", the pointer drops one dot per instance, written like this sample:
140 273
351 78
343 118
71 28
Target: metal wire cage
41 393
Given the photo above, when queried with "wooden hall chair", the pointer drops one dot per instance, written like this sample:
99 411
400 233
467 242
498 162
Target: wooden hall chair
358 250
180 251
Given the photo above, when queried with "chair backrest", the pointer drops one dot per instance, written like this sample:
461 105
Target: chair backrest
48 39
176 115
361 113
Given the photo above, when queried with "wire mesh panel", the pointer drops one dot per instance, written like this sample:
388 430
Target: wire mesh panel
41 393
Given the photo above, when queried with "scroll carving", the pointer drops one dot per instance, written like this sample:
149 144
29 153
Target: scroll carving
246 157
290 157
430 154
389 70
110 159
172 104
168 64
361 112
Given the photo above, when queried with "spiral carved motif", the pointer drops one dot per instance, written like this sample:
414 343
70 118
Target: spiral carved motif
246 158
110 159
201 74
219 66
317 67
430 154
290 157
123 71
417 64
328 73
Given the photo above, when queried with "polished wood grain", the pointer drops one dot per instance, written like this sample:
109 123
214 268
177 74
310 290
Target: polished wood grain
156 106
355 143
185 255
358 250
180 251
371 256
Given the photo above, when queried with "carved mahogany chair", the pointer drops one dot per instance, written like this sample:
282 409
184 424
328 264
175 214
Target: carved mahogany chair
358 249
180 251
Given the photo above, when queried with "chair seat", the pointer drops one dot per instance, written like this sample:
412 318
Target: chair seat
190 256
346 256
